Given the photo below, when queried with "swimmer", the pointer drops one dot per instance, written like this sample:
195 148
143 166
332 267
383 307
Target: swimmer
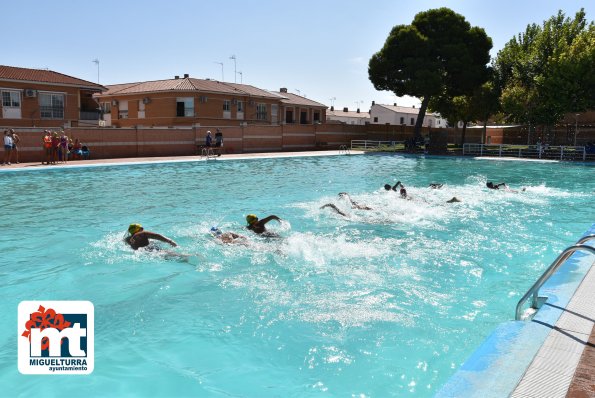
138 237
335 208
453 200
394 187
258 226
491 185
435 185
227 237
354 204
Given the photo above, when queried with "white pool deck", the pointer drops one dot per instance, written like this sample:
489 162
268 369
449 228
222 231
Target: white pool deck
553 371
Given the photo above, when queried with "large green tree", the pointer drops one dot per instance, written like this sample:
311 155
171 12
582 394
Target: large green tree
547 71
439 54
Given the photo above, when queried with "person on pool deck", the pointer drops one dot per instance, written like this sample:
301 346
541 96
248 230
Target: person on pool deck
258 226
138 237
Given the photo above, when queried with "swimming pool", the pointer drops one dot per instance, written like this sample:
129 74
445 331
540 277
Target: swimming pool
386 302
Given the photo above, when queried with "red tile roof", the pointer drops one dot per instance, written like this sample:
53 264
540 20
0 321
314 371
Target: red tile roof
187 84
294 99
44 76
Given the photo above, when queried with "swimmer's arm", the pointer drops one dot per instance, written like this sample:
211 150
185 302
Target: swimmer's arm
153 235
335 208
269 218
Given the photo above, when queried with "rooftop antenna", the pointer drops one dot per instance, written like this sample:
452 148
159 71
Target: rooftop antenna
220 63
333 101
96 61
234 68
241 77
298 91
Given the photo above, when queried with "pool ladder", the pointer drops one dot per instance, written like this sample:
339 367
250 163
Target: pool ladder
344 150
537 300
207 153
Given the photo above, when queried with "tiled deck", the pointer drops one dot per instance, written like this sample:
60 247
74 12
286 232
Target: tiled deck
565 364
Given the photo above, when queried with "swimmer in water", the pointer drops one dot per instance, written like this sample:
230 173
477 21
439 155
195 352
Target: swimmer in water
228 237
138 237
394 187
354 204
435 185
453 200
258 226
335 208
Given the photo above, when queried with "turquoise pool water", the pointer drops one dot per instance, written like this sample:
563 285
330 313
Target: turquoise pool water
386 302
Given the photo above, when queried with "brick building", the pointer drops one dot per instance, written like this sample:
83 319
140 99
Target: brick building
188 101
44 98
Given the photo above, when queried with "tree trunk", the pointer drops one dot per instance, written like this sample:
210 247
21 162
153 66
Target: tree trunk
464 131
420 117
485 130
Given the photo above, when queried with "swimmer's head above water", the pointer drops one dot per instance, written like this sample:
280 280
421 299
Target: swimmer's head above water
134 228
251 219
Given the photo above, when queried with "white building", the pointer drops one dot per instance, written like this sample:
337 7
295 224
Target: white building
348 117
398 115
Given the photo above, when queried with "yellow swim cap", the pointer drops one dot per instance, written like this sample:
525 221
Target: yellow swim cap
134 228
251 219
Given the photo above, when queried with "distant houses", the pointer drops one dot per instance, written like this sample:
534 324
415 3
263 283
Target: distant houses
39 97
348 117
402 115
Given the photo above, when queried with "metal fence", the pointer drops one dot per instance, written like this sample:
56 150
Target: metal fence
369 144
531 151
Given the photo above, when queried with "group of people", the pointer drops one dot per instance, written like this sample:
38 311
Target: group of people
218 140
137 237
11 141
58 147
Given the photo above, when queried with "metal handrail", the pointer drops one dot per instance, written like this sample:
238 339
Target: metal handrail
207 152
534 290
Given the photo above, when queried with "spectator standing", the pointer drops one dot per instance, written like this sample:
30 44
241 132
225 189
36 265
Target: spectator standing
15 147
47 145
7 147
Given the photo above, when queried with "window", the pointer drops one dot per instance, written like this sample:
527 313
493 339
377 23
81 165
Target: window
375 120
185 107
412 121
11 99
51 106
226 105
261 112
123 110
316 117
402 120
240 106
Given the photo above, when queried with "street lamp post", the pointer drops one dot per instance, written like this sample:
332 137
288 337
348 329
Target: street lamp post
576 126
221 63
96 61
234 68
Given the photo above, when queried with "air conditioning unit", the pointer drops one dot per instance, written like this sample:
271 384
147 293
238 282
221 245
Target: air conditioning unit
114 102
30 93
146 100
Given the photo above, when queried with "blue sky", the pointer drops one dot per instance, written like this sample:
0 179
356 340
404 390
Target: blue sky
316 48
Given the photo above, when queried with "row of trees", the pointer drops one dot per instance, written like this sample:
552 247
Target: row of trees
535 79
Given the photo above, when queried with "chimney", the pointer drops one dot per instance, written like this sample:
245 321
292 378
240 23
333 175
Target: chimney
332 108
345 110
284 90
176 77
357 110
414 106
186 75
373 103
395 104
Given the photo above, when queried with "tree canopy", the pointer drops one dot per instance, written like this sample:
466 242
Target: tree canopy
438 55
547 71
